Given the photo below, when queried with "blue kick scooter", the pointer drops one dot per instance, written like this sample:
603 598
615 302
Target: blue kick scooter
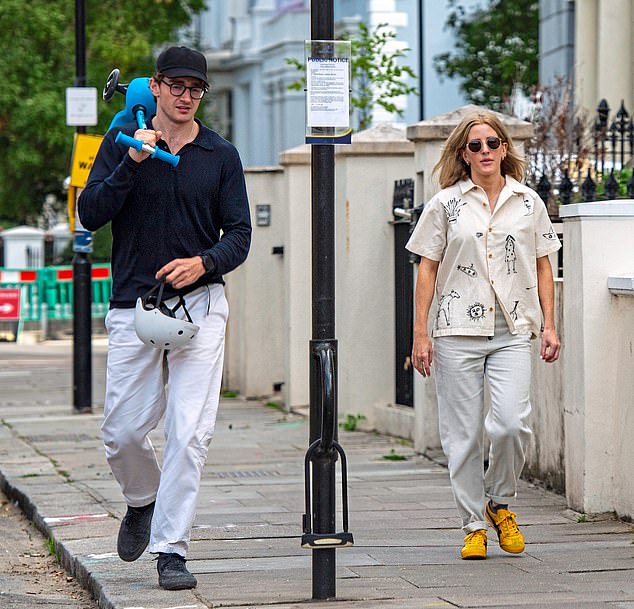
139 103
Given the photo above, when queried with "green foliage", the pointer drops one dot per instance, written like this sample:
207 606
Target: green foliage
378 77
394 456
275 405
228 393
351 422
496 47
622 177
51 546
38 51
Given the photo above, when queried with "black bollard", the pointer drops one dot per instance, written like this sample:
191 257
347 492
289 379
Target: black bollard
82 334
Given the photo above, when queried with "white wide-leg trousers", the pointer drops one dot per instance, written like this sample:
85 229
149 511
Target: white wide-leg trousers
461 365
136 400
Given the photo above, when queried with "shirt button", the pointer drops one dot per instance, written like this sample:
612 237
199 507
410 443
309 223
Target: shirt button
492 282
490 229
490 308
490 255
484 204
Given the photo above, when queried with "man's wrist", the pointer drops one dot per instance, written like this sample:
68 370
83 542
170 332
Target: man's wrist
208 262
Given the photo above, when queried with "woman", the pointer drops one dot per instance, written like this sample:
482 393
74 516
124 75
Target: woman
484 241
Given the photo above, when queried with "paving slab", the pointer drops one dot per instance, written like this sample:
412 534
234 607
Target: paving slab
245 548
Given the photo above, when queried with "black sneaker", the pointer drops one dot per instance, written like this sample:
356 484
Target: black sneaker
173 574
134 532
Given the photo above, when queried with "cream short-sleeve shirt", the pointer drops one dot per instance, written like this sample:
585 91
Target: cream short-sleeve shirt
485 256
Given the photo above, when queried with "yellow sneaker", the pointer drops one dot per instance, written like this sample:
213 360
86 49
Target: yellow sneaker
475 545
509 536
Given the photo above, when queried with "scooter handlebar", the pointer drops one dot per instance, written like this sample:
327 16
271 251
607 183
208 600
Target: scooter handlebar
155 151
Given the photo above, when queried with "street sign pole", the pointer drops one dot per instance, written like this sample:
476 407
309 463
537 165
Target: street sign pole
82 284
323 327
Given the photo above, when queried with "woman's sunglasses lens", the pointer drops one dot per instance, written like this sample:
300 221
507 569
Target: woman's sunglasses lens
493 143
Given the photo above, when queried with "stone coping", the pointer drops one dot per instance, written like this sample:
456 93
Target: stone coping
598 209
622 285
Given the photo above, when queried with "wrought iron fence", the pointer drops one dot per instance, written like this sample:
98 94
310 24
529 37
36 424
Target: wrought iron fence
593 161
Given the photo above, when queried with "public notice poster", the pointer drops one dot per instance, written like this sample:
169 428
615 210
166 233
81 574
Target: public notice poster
328 92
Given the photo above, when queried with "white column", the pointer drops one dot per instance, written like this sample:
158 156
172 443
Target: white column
586 64
598 362
614 76
297 275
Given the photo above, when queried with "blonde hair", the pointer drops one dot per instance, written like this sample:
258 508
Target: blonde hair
452 167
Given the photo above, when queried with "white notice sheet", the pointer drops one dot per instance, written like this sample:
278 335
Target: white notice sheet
328 92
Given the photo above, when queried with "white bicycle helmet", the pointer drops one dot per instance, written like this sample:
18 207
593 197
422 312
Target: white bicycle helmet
157 325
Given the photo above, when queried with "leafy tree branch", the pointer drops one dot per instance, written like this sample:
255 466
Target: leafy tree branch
496 47
39 63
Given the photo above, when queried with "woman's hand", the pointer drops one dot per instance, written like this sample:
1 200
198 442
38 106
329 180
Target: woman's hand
550 347
422 352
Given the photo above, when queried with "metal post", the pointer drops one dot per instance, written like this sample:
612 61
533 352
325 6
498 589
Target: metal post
323 326
82 284
421 59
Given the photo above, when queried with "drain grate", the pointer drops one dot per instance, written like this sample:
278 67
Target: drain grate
69 437
252 473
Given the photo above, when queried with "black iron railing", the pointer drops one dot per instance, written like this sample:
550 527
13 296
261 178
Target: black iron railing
595 170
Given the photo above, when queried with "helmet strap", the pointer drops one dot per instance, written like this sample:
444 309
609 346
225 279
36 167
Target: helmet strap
161 306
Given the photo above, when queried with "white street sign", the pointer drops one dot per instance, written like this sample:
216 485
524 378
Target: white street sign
81 106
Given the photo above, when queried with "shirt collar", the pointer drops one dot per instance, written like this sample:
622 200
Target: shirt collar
517 187
205 138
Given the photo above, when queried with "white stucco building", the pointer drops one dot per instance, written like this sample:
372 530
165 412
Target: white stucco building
247 42
590 43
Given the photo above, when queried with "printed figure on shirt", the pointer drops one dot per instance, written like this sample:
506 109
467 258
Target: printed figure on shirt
513 311
509 254
551 235
488 341
452 209
476 311
468 270
529 206
444 306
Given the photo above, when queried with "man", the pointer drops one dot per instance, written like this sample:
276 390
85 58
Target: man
187 225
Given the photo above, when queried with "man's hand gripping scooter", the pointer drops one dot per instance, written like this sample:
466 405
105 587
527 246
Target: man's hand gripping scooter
139 103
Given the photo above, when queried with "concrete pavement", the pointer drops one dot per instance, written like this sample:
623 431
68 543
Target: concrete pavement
245 547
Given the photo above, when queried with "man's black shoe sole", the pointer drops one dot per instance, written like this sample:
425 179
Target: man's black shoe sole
177 584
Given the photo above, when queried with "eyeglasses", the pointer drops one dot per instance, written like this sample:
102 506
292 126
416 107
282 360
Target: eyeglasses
492 142
177 89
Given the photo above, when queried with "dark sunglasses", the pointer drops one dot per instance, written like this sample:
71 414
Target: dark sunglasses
493 143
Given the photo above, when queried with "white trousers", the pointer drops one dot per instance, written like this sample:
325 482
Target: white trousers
136 400
462 363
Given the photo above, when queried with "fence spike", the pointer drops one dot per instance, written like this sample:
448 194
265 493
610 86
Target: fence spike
611 187
543 188
565 189
588 188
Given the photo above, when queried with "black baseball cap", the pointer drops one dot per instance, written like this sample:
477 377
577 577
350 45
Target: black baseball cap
182 61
